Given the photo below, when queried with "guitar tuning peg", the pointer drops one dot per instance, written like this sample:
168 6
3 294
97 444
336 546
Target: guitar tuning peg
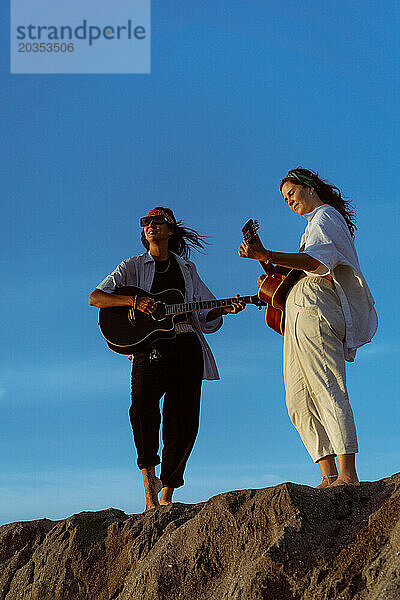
256 225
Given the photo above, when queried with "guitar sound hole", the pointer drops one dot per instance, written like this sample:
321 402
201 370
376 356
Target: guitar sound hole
159 314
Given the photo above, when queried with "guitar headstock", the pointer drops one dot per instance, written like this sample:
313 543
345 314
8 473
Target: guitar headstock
250 231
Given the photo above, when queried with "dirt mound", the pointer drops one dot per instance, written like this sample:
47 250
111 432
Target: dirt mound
288 542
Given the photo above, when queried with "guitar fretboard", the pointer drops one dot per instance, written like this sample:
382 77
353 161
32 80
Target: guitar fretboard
178 309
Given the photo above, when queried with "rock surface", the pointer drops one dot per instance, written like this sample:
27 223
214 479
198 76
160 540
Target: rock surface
288 542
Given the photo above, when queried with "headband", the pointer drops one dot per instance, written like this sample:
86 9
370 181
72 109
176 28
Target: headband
303 179
157 211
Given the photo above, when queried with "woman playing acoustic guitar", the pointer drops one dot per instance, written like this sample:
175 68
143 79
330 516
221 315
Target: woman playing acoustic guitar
329 313
174 367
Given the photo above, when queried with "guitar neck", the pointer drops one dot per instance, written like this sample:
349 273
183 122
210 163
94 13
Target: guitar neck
250 236
179 309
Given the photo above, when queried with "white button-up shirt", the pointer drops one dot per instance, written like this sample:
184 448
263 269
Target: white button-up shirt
327 238
139 271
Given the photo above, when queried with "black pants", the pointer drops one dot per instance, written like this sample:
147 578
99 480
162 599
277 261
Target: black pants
177 374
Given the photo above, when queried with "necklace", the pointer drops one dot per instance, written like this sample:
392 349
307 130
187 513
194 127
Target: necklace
166 268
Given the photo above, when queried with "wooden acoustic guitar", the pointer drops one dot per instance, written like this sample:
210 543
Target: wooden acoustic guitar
127 330
276 285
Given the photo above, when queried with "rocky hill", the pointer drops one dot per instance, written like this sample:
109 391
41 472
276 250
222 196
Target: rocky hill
288 542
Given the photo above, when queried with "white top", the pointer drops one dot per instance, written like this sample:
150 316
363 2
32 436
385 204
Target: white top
327 238
139 271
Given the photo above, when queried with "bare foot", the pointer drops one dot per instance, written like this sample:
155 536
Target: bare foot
347 470
166 496
152 487
342 481
327 481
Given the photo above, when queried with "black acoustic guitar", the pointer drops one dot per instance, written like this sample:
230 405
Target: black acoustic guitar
127 330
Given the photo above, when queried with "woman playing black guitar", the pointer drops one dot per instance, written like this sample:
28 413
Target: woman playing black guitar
329 313
174 367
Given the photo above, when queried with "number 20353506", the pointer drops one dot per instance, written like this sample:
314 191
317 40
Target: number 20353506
45 47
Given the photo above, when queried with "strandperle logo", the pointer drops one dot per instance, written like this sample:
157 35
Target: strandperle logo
71 36
83 31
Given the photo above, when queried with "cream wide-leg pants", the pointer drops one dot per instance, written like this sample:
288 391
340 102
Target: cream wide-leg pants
314 369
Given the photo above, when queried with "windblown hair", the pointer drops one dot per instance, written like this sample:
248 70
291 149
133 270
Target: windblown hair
328 193
183 240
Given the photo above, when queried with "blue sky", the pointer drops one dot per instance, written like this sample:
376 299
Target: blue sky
239 93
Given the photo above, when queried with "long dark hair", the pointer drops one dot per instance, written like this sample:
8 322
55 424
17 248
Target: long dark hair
183 240
328 193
